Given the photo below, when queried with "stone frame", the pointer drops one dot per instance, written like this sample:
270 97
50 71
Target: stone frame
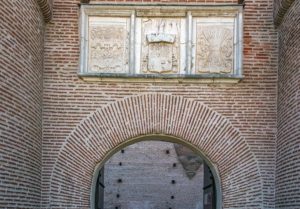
188 15
109 39
224 18
85 13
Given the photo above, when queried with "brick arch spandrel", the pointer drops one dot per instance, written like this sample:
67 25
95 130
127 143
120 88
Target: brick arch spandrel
193 122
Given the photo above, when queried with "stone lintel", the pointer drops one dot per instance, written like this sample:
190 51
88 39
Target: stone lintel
157 78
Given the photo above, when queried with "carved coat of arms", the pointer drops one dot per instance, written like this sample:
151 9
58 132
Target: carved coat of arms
108 46
160 45
214 49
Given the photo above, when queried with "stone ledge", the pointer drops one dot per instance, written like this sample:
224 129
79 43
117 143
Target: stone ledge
159 78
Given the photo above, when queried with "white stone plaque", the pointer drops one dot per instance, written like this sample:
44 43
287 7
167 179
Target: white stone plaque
214 46
163 40
108 45
160 48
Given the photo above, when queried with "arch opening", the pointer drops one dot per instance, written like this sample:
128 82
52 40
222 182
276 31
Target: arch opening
156 171
97 137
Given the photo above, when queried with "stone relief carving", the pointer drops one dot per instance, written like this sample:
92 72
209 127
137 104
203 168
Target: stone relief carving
160 45
214 48
108 46
190 161
129 42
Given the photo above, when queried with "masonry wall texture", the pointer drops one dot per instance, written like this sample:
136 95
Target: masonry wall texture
46 8
280 9
234 125
288 139
192 123
21 66
249 106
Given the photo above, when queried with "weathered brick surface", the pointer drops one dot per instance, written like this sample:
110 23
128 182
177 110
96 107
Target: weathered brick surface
21 64
83 121
146 169
234 125
280 9
135 116
288 141
46 8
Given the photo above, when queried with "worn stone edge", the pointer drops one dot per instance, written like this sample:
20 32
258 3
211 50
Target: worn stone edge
153 78
282 10
46 8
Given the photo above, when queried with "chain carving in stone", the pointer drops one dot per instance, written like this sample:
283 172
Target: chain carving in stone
160 45
214 49
108 48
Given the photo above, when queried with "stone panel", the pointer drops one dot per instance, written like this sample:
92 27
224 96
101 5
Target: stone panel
214 46
134 40
160 45
108 45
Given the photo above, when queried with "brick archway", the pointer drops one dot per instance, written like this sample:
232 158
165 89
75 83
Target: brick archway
193 122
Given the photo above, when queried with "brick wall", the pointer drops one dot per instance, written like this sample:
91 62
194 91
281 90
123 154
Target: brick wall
280 8
21 64
46 8
71 106
147 173
288 140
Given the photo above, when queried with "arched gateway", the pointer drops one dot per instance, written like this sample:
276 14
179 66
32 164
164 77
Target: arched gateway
164 117
158 138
